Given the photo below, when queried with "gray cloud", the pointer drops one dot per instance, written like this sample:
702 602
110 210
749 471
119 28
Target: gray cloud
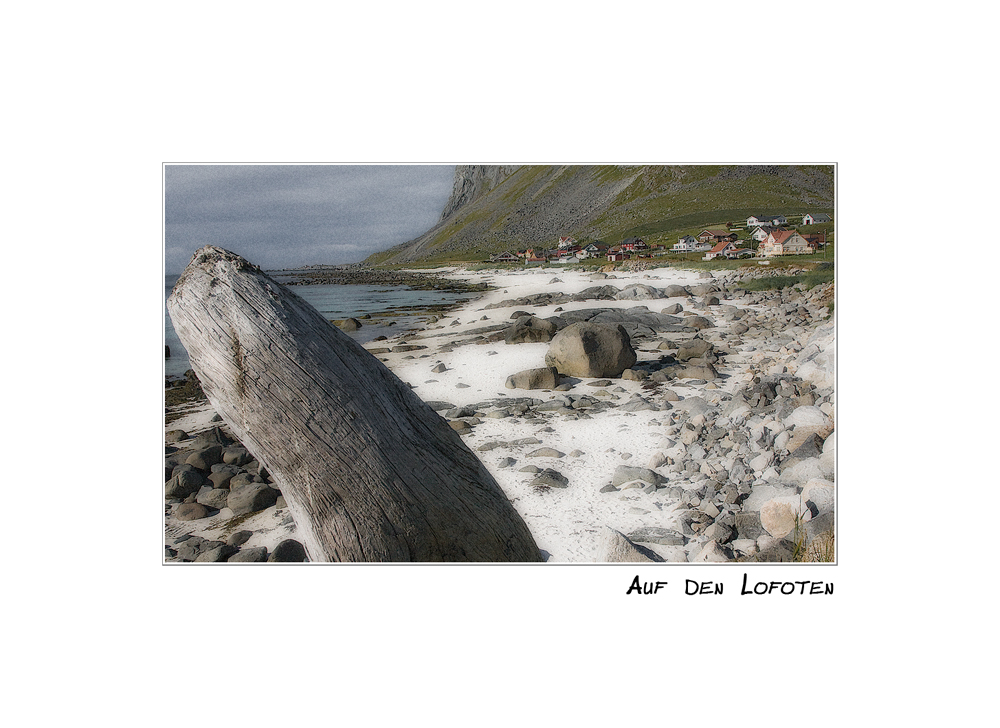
285 216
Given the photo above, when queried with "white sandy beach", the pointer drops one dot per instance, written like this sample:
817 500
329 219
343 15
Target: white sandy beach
566 523
569 524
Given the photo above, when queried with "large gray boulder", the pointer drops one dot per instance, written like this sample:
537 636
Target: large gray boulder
541 378
675 290
288 550
191 512
638 292
694 348
255 554
184 483
204 458
251 498
586 349
217 498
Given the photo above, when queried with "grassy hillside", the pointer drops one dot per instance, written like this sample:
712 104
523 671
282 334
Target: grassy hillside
536 205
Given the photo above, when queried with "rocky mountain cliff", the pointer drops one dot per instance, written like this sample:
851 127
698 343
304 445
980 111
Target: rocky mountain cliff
494 208
472 181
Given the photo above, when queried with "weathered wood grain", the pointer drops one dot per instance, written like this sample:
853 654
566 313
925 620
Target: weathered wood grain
369 471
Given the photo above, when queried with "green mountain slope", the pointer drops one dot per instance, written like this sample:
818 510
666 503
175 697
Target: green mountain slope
506 208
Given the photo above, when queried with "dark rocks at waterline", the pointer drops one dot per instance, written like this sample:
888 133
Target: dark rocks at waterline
350 324
357 275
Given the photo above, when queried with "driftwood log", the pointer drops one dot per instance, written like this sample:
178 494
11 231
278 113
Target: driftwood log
369 471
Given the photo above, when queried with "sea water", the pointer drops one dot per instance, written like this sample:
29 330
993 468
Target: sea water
333 302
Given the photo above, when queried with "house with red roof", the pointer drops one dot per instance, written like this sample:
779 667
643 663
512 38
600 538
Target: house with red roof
815 240
784 242
720 249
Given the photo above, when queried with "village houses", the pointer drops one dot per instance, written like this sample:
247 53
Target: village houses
765 230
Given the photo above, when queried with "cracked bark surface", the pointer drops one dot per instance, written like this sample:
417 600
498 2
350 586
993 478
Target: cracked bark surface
369 471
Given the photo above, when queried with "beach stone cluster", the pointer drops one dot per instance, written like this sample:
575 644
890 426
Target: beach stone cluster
750 472
212 474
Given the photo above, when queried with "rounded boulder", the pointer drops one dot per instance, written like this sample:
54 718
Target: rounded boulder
586 349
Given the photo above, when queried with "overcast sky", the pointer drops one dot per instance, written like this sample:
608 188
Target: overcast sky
287 216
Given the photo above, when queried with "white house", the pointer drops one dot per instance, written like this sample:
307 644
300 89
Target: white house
810 219
772 220
689 244
594 250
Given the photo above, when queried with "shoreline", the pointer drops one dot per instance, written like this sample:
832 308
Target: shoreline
560 454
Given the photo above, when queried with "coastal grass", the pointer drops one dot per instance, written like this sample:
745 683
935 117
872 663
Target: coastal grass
807 280
820 550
